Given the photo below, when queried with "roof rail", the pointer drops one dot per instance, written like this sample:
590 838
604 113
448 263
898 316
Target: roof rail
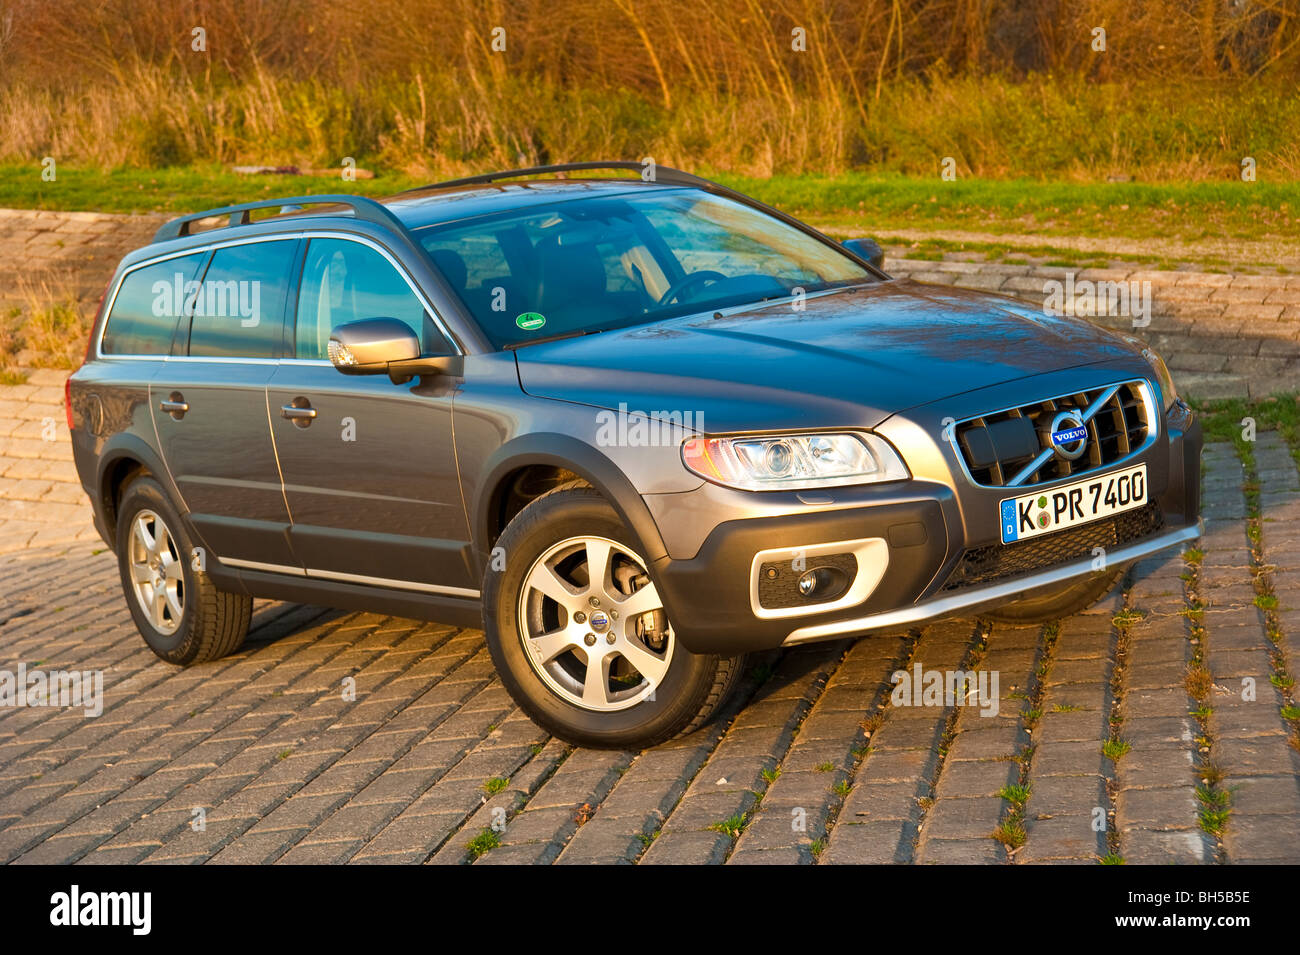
362 208
662 174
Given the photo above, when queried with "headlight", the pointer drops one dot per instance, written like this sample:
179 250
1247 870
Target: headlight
793 461
1168 393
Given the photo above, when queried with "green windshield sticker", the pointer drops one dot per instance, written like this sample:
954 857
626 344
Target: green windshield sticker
530 320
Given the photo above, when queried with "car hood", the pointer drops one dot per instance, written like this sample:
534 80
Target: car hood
846 359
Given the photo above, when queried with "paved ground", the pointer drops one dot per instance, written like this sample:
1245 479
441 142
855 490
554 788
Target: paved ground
1180 677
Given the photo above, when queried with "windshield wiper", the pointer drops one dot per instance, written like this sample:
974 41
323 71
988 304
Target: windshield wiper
513 346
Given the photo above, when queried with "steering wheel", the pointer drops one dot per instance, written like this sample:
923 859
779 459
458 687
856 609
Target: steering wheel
682 284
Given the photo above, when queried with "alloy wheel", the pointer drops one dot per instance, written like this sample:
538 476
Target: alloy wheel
157 577
593 625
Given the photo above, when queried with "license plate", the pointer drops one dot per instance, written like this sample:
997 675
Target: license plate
1072 504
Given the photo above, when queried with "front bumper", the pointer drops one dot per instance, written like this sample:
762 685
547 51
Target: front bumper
928 524
988 595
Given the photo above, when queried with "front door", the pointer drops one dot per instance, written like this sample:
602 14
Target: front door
369 467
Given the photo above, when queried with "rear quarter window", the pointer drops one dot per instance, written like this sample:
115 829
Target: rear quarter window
148 305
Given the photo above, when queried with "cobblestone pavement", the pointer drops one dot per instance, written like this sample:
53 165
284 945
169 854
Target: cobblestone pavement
1152 728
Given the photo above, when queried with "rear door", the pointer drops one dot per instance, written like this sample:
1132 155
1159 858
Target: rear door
209 404
111 393
369 467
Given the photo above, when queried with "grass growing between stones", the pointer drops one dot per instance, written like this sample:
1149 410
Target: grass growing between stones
1214 809
971 661
732 826
1261 576
1198 682
869 725
1011 831
483 843
1115 749
1121 624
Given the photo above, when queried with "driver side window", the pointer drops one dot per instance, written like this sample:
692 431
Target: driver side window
346 281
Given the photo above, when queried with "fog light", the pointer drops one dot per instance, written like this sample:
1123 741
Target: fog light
823 583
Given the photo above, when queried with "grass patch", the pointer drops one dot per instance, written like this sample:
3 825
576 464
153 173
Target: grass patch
1011 832
483 843
1115 749
495 785
846 203
1016 794
1215 810
732 826
1127 617
1198 682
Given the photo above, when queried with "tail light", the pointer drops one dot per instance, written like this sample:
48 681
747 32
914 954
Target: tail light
67 400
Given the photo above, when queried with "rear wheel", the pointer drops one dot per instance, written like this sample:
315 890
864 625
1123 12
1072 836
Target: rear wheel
180 612
1060 600
579 634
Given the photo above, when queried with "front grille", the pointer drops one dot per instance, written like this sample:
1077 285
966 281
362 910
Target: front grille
982 565
995 447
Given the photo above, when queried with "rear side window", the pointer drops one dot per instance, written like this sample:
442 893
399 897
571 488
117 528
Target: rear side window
345 281
239 311
147 306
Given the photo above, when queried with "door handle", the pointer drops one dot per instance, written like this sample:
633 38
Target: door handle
299 411
175 405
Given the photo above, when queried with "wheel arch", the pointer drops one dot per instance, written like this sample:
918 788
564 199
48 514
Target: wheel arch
123 457
567 454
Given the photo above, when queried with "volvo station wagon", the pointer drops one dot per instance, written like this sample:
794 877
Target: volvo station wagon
633 427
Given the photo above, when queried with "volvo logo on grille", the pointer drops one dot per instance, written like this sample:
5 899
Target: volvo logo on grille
1069 436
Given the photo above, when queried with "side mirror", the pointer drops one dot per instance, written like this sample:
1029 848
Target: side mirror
379 346
868 249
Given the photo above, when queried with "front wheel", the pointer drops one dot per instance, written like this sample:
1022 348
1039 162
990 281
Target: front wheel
579 634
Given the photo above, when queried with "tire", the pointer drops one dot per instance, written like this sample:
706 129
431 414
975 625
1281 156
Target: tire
566 531
191 621
1061 600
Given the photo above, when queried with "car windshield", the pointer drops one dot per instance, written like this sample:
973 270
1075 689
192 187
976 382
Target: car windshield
597 263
